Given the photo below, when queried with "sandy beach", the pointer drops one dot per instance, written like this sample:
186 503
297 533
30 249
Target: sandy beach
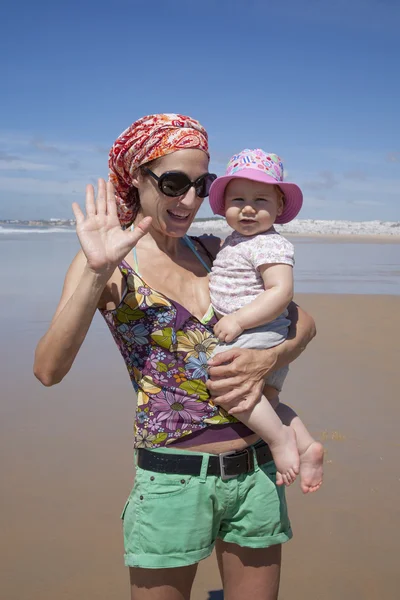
66 453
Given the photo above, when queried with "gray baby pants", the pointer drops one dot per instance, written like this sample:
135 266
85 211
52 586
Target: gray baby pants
266 336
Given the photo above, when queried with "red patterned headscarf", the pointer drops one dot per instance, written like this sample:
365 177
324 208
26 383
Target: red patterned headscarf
145 140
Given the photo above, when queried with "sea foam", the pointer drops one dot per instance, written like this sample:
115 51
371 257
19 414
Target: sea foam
311 227
219 227
5 230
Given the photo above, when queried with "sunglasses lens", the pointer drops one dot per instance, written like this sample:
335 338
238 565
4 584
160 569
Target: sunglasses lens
174 184
204 184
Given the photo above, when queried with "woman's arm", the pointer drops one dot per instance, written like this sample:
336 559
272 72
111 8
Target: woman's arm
104 245
301 331
238 383
56 351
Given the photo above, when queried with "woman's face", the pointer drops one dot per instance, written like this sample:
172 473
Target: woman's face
172 216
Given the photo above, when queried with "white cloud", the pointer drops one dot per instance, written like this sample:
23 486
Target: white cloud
324 181
37 144
316 202
365 202
393 157
36 167
19 164
40 145
30 185
378 186
356 175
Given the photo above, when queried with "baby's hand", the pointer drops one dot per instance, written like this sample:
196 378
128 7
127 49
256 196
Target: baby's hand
227 328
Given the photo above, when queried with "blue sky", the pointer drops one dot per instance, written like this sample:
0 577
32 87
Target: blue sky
315 81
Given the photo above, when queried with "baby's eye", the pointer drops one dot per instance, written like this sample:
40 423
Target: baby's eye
261 199
237 200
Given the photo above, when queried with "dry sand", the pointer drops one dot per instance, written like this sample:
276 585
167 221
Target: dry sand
66 463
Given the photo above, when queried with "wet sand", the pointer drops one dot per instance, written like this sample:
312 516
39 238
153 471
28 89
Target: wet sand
66 460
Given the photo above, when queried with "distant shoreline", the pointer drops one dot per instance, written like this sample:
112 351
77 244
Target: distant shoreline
38 222
329 230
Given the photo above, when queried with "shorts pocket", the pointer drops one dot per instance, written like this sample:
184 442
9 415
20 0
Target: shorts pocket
155 485
124 509
175 514
270 470
277 499
131 524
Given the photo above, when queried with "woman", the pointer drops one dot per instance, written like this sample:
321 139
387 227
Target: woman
201 477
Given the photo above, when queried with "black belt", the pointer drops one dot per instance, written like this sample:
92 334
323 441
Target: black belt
225 465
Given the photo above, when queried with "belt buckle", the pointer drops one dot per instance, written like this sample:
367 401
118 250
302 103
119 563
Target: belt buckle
221 457
250 462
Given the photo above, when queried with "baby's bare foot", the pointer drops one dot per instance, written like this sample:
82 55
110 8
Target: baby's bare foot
311 468
286 456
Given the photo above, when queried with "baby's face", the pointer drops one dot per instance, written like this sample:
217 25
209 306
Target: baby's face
252 207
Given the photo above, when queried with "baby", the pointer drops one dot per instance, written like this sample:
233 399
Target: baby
251 285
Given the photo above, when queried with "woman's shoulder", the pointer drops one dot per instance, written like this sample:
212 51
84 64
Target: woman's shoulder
210 243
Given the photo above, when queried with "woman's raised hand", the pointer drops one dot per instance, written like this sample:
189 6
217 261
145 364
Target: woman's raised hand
103 240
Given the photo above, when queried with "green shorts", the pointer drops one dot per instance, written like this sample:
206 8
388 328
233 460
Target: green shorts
174 520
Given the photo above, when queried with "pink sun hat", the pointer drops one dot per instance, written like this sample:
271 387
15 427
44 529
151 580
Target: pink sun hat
257 165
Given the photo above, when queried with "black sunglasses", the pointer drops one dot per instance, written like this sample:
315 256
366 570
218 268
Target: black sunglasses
176 183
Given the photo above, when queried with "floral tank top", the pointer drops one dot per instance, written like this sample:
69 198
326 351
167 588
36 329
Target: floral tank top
165 349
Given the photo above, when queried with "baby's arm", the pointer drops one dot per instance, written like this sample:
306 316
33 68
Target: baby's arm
278 283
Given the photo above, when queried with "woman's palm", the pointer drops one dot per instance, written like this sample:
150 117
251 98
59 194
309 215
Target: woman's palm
103 240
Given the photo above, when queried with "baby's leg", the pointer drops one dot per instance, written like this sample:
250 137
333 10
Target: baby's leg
311 452
264 421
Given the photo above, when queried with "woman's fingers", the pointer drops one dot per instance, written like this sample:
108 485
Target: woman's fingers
143 225
90 204
105 202
101 204
79 216
239 398
220 386
224 357
111 204
243 406
223 371
139 231
227 401
248 399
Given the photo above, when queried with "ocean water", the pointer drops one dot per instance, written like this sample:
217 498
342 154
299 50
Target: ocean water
335 267
33 262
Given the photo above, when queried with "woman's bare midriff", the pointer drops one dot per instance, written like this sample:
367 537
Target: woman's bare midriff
237 444
227 446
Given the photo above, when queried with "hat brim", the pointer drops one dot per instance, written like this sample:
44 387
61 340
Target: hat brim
293 194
